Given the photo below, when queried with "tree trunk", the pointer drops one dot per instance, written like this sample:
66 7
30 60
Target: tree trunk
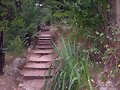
118 13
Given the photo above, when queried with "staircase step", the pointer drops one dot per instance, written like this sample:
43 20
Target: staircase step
42 51
43 43
38 66
45 35
37 74
35 84
42 38
46 28
41 59
44 47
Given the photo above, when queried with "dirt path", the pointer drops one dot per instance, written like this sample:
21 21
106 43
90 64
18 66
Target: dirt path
36 70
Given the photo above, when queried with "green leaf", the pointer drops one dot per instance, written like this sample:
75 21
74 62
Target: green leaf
18 22
63 82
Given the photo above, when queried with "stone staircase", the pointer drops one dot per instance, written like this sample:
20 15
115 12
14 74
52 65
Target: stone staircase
38 67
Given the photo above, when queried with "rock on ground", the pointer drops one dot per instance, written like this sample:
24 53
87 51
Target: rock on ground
13 70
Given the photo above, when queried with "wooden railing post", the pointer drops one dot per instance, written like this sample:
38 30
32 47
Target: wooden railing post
2 54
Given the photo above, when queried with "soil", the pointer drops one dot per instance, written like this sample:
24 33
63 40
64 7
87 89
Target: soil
7 83
102 81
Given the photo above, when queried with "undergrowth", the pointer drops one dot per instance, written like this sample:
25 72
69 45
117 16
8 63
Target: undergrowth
72 72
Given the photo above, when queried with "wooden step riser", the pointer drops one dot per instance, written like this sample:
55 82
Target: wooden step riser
43 48
31 68
39 61
45 35
43 53
49 45
37 77
43 44
44 39
45 30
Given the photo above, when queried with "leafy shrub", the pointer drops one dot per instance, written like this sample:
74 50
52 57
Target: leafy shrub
16 44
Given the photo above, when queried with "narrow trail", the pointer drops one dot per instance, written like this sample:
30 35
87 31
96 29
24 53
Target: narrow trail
39 59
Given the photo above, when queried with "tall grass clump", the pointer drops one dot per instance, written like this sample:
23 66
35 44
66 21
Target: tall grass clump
72 72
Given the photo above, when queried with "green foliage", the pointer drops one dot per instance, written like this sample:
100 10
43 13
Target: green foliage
5 1
17 18
16 44
3 25
72 68
88 16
